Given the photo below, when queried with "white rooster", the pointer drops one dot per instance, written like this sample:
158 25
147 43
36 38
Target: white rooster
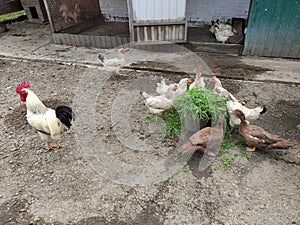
49 123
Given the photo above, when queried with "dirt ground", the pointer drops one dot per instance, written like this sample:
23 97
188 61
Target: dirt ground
62 187
67 187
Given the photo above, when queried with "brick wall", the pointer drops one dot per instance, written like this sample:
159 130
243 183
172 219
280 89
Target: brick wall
198 11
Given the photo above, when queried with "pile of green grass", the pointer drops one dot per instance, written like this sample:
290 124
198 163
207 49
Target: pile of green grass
204 104
11 16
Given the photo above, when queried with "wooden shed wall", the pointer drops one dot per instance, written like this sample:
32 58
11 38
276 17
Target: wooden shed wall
273 29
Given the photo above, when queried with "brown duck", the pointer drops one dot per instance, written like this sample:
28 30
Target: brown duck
206 140
257 137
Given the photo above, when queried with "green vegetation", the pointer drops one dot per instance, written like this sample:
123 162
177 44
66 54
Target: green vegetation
280 156
138 200
227 156
172 123
149 119
227 160
227 143
11 16
187 169
279 115
202 103
37 26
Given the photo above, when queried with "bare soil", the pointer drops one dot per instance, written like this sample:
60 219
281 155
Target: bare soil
60 187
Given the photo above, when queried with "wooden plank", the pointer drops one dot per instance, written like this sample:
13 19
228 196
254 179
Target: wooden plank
138 36
118 40
146 38
68 39
113 41
102 41
92 41
72 39
77 40
107 42
98 42
130 15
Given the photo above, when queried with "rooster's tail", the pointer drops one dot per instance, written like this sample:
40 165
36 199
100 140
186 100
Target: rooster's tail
144 94
65 115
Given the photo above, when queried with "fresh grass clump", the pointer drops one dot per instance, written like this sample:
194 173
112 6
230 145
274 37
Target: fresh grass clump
172 123
204 104
12 16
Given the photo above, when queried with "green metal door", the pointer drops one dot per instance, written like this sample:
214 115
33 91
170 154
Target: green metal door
273 29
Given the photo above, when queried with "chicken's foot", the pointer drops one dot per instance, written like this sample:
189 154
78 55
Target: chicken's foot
49 146
249 149
58 145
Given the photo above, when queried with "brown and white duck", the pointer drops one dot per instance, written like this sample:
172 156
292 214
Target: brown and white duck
257 137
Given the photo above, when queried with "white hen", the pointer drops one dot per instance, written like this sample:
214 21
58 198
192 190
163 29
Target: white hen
232 104
114 64
162 87
216 82
159 104
222 35
198 82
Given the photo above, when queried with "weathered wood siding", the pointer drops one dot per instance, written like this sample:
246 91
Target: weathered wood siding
157 20
89 40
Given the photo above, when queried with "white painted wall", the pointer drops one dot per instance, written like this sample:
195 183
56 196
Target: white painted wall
114 10
198 11
203 11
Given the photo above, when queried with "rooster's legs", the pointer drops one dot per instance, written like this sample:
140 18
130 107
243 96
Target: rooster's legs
58 145
49 146
248 149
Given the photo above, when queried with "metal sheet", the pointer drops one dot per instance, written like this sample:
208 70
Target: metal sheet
273 29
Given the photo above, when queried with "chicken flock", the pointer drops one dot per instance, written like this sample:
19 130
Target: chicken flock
209 138
50 123
222 31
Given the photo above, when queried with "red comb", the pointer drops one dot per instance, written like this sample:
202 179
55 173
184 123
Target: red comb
25 84
21 86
